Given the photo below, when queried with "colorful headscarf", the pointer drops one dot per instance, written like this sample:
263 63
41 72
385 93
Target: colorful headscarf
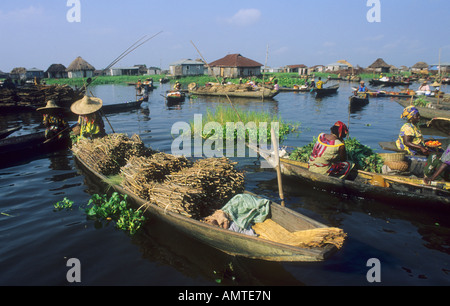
409 112
343 130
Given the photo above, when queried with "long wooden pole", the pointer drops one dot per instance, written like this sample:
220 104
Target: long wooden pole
277 165
214 75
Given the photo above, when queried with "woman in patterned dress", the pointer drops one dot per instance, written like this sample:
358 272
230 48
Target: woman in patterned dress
410 137
329 156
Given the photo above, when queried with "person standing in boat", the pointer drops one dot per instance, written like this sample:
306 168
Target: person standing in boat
53 119
410 137
89 117
329 156
320 83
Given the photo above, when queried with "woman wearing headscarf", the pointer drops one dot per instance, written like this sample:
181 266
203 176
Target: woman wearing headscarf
89 118
329 156
410 137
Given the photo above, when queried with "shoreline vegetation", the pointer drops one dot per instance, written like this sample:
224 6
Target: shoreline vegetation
284 79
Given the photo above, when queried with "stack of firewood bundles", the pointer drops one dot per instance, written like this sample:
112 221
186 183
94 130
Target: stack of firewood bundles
194 189
175 184
108 154
38 95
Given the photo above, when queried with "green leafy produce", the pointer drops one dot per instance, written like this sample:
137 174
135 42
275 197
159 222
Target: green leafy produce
361 155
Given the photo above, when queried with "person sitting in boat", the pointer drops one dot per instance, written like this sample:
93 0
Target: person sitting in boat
437 168
89 117
177 86
410 137
362 88
53 119
329 156
424 89
312 84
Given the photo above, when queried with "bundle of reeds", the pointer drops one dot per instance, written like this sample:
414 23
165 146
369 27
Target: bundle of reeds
108 154
184 200
216 177
140 171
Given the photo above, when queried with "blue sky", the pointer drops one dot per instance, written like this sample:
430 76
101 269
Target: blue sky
36 33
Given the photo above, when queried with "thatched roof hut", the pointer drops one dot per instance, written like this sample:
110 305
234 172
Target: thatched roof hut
79 68
18 73
419 66
380 66
56 71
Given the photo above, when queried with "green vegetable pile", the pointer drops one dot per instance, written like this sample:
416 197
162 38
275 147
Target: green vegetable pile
361 155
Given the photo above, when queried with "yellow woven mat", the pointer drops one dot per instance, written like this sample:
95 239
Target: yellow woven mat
317 237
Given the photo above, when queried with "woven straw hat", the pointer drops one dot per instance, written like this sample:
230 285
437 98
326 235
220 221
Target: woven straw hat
50 107
86 105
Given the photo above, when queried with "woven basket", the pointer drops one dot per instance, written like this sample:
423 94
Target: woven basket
388 157
397 165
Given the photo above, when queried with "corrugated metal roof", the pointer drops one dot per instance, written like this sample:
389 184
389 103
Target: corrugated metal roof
186 62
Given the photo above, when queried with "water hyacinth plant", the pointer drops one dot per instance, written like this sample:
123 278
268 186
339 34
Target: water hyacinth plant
256 125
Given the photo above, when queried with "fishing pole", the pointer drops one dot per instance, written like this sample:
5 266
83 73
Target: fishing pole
122 55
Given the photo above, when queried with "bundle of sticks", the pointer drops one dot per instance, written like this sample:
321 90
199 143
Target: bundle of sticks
108 154
140 171
194 190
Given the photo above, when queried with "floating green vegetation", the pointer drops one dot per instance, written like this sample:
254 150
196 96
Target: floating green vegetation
361 155
64 204
104 209
115 208
255 125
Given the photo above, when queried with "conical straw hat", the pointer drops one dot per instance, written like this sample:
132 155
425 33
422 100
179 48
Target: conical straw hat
86 105
50 107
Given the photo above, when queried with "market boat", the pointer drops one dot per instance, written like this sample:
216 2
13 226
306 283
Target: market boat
18 148
434 110
175 96
302 88
122 107
326 91
378 82
395 189
357 102
230 242
5 133
264 93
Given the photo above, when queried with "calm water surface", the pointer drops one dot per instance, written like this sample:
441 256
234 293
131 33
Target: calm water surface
36 241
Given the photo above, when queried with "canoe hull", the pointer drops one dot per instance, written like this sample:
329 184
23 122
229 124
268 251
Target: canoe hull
230 242
266 94
401 191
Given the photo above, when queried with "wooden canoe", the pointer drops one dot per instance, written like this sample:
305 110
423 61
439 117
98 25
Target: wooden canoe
326 91
376 82
175 96
264 93
401 190
5 133
428 112
121 107
233 243
356 103
18 148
